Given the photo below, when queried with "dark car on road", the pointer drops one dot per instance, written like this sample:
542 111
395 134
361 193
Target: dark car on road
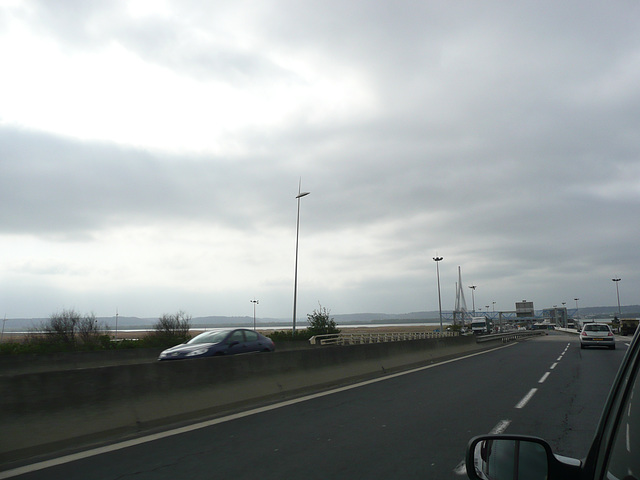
614 453
220 342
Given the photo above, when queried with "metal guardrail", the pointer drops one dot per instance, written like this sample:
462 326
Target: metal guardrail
378 337
509 337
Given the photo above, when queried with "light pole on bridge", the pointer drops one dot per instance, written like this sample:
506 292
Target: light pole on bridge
473 298
255 302
616 280
295 278
438 260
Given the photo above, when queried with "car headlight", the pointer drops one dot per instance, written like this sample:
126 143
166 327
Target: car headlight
194 353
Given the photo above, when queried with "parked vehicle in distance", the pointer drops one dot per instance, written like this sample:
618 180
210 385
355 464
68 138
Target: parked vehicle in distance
543 326
597 335
614 452
628 326
220 342
480 325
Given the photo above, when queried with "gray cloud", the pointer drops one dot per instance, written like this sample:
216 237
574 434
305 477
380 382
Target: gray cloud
502 136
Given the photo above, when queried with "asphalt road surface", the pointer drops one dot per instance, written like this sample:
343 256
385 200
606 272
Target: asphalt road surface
412 425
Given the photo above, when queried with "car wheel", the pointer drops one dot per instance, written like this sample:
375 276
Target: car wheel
582 346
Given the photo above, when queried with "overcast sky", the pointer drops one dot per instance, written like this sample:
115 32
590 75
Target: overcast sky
150 154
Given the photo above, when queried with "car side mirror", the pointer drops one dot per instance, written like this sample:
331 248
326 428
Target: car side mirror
507 457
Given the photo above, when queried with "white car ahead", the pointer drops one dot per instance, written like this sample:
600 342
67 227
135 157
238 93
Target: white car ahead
597 335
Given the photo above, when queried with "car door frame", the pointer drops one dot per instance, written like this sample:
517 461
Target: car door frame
595 464
236 348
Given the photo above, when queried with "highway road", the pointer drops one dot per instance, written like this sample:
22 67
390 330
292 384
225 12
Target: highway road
410 425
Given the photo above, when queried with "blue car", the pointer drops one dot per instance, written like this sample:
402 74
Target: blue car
220 342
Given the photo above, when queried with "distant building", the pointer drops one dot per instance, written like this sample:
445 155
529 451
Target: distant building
524 309
556 316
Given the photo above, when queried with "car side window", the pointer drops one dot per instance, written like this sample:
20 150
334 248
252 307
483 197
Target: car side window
237 336
624 461
251 336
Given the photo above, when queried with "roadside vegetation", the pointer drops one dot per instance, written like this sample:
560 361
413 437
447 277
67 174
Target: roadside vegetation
70 331
320 322
169 330
64 331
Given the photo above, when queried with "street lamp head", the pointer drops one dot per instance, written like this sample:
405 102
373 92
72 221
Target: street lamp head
303 194
616 279
437 259
473 286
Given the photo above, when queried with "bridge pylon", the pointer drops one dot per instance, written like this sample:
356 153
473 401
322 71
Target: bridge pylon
460 311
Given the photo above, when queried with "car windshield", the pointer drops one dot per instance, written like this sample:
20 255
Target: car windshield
596 328
209 337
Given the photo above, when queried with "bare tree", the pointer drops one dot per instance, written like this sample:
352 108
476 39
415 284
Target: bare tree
170 329
88 329
70 329
61 327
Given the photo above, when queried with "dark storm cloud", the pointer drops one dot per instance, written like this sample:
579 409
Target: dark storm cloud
54 185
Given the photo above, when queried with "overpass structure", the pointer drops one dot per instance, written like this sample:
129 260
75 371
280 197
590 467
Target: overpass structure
502 315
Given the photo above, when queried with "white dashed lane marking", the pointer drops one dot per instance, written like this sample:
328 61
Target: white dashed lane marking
522 403
503 424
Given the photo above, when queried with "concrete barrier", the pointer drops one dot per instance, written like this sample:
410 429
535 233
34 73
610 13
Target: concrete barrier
47 410
32 363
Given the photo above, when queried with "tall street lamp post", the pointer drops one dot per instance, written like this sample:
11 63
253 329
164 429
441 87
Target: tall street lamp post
473 298
576 299
438 260
295 280
255 302
616 280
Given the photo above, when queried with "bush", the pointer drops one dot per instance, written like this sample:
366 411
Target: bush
288 336
15 348
320 323
66 331
169 330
